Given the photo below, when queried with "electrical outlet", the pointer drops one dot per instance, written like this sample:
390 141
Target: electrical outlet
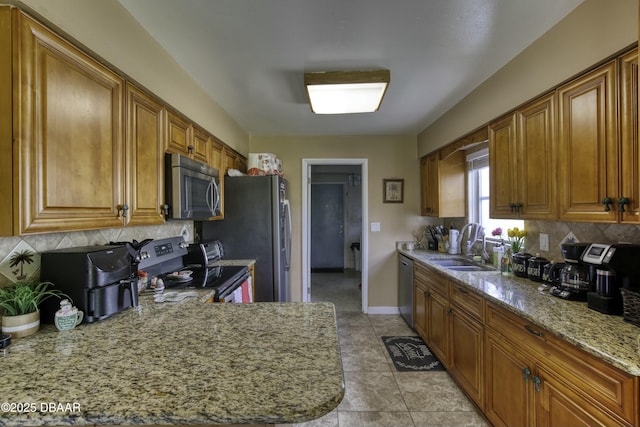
544 242
375 227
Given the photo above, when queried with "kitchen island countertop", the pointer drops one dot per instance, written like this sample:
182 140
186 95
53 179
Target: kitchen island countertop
609 338
178 363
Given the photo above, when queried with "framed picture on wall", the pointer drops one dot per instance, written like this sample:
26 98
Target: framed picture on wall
393 190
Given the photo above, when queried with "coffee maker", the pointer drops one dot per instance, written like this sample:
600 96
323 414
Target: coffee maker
575 278
617 267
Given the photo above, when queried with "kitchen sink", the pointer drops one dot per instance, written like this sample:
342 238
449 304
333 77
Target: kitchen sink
461 264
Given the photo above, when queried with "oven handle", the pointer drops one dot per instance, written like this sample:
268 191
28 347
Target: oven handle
229 290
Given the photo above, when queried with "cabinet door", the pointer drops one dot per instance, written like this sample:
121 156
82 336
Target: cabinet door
216 150
502 168
536 170
629 150
420 294
587 140
429 185
508 390
438 326
466 361
70 135
200 146
229 161
179 135
144 158
558 405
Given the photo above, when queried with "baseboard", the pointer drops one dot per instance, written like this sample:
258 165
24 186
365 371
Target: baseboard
383 310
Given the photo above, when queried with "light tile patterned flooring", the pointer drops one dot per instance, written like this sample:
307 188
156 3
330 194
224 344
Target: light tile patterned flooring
376 394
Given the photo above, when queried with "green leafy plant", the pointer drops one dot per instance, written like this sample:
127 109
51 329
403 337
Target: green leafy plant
25 296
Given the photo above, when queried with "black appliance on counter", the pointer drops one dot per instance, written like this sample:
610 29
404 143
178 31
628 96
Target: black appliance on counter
575 277
617 268
256 225
160 258
101 280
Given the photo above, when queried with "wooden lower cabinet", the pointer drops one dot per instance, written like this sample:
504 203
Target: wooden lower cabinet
536 379
438 326
453 334
508 395
516 373
466 353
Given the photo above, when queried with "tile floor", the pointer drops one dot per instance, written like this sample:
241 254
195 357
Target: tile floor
376 394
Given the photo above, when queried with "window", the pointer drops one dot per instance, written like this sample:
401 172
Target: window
479 188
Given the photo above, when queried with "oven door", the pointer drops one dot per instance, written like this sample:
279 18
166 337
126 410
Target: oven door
232 291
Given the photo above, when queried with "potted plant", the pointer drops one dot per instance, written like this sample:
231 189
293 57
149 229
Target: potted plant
19 306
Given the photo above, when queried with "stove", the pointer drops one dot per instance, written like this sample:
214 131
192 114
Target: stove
160 258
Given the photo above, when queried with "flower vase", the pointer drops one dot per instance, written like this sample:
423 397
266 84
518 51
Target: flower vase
506 263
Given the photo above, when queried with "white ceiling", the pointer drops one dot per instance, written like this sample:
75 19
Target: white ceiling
250 55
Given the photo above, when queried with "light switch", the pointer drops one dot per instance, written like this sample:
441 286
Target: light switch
544 242
375 227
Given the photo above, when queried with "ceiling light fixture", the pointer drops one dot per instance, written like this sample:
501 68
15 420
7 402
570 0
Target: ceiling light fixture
345 92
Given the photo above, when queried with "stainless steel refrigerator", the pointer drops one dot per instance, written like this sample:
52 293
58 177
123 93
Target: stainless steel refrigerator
256 225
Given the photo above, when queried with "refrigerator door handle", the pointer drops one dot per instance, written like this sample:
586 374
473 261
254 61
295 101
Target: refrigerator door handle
287 237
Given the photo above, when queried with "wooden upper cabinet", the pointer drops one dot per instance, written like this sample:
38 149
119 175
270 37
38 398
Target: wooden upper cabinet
442 185
629 150
179 135
69 131
536 148
144 144
229 161
6 119
588 146
200 145
502 168
522 149
216 153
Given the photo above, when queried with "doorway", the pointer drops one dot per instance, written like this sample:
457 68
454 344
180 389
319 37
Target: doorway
351 175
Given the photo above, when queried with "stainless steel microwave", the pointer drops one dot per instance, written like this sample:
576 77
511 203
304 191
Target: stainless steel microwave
192 188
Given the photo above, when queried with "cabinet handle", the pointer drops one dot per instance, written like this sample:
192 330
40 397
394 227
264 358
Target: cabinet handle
533 331
512 207
537 382
449 311
525 373
124 208
165 209
426 294
190 149
463 291
518 207
623 201
427 210
607 203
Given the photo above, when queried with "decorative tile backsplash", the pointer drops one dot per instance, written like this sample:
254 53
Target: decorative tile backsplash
20 256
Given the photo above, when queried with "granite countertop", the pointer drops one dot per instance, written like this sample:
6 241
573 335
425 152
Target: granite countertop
235 262
178 363
607 337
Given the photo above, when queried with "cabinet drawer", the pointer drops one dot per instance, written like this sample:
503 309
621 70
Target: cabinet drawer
514 327
432 279
469 301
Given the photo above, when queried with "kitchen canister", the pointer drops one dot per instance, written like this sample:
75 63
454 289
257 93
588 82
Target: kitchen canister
535 268
68 317
520 263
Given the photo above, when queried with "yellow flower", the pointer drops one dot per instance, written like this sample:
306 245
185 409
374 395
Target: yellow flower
511 233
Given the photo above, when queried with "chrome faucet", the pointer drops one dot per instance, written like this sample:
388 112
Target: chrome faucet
475 236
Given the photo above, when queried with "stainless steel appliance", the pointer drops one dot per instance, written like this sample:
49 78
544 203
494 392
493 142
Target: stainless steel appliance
101 280
405 288
575 276
161 258
192 189
617 268
256 225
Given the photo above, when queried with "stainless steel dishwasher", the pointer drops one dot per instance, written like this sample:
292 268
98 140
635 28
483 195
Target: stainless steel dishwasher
405 288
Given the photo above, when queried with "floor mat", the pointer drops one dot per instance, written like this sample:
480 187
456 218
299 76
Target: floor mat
411 354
